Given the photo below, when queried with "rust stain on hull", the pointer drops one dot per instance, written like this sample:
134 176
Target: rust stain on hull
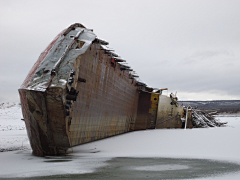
106 104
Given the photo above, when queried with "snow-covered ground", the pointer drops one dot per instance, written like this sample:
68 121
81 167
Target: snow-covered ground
221 144
12 128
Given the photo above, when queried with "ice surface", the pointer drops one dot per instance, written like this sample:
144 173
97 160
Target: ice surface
161 167
220 143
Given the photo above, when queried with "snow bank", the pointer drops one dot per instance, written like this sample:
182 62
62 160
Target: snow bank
219 143
13 135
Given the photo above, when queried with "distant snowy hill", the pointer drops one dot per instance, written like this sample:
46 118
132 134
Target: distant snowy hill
230 106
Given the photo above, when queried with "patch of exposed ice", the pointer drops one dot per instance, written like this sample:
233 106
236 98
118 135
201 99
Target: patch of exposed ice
167 167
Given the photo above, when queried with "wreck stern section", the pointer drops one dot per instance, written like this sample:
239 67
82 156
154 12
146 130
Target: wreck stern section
45 121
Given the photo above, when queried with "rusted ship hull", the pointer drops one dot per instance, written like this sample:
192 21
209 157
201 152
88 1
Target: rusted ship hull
79 91
80 96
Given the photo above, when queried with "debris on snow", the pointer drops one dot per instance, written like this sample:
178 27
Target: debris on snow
202 119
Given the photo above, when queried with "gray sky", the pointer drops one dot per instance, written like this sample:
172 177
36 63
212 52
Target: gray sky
189 46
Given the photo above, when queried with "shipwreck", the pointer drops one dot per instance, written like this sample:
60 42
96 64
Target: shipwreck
80 90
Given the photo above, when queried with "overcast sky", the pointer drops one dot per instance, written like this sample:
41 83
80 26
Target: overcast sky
191 47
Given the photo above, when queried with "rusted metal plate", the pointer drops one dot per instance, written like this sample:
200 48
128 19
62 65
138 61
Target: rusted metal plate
106 104
147 110
143 114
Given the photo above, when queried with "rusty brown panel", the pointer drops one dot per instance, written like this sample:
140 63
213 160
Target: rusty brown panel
45 121
56 118
26 115
106 104
143 114
34 112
